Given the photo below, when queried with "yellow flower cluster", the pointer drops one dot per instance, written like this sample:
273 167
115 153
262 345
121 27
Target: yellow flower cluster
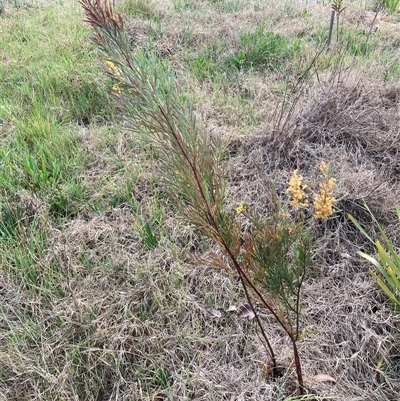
117 74
241 208
324 200
114 68
117 90
296 190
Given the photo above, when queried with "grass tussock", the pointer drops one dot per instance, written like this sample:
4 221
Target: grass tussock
102 294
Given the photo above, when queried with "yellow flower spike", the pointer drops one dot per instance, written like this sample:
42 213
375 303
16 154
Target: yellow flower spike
117 75
324 200
324 169
296 190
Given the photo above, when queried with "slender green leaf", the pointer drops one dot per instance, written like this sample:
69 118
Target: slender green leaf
384 256
381 269
396 281
388 259
384 288
357 224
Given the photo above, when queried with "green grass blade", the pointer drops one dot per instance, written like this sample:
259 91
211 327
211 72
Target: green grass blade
389 245
385 289
389 263
395 281
381 269
357 224
384 256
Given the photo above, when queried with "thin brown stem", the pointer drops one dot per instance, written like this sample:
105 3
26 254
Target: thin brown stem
243 277
297 362
264 335
216 227
281 321
378 8
277 318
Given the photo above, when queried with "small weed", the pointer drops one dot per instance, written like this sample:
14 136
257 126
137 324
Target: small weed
42 172
204 66
163 378
150 241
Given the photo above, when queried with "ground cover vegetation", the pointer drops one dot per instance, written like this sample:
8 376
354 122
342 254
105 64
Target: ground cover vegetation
109 286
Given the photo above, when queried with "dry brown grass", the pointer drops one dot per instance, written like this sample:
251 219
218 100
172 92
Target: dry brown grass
137 324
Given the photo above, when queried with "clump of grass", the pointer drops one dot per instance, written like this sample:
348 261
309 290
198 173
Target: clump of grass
49 84
206 63
263 50
258 50
45 95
